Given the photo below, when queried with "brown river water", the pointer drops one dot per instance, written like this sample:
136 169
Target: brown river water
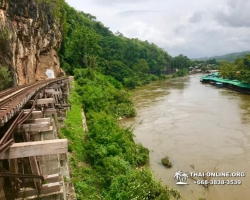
200 128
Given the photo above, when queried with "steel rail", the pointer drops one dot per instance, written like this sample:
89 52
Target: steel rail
9 91
3 102
21 95
5 142
15 98
20 121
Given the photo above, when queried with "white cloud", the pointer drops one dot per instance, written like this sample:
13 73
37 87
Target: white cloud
190 27
139 29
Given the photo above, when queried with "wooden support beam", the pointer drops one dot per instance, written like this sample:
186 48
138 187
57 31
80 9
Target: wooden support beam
63 105
13 169
51 178
45 101
50 111
35 114
42 127
55 86
2 194
34 165
49 90
38 120
35 170
45 189
17 180
27 149
63 110
53 91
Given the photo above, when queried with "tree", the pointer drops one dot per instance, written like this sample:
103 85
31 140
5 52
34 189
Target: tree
141 66
181 62
5 77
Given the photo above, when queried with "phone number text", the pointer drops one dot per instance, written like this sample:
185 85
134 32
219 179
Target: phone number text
218 182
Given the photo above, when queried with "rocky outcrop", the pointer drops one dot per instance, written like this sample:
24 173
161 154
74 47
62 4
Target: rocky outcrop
29 37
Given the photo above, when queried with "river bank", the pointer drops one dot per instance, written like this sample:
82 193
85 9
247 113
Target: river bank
105 156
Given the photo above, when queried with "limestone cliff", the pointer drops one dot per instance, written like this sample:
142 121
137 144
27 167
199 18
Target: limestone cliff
29 35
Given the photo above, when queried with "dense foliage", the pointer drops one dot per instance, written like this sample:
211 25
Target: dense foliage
239 69
107 163
5 78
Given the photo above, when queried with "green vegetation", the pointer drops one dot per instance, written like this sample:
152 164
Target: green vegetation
227 57
101 94
106 163
239 69
4 40
166 162
181 62
5 78
53 8
87 43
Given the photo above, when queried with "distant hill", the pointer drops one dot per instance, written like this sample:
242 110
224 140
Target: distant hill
228 57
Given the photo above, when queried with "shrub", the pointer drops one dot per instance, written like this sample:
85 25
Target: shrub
5 77
154 77
165 161
139 184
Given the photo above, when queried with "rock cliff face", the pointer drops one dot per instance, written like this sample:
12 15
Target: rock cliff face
29 35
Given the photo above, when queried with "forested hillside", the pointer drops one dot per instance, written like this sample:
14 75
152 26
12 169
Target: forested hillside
227 57
89 44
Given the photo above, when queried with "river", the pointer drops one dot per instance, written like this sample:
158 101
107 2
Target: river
200 128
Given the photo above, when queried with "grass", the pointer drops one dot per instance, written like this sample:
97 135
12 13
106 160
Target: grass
85 180
105 162
73 129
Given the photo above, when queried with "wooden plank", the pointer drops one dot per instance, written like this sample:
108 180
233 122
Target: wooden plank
38 120
17 180
55 86
50 111
13 169
35 114
53 91
46 189
35 170
34 166
49 90
63 105
42 127
27 149
51 178
41 124
45 101
63 110
2 194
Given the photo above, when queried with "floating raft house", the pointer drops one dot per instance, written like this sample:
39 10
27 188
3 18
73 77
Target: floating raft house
232 84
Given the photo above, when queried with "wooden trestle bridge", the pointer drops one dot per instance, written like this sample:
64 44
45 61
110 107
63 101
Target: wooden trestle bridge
33 158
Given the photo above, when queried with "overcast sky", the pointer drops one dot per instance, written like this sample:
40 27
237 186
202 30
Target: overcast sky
195 28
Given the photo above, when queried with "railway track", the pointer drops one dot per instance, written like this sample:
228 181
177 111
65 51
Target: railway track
47 96
11 102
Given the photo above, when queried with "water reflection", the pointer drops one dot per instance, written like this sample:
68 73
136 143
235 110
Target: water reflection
245 108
